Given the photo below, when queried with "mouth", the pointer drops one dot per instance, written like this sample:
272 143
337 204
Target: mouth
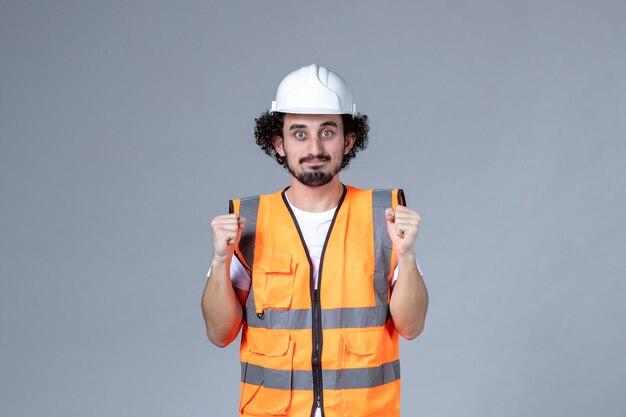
315 164
315 160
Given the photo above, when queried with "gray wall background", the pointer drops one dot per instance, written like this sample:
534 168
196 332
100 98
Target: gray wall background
125 126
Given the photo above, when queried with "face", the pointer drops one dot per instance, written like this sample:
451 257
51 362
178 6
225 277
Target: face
313 146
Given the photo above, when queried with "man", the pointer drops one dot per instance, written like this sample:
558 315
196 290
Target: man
324 276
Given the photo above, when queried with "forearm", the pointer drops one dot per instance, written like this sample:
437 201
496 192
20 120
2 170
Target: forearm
220 306
409 299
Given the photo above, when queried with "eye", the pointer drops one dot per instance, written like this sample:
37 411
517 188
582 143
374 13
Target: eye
327 133
299 134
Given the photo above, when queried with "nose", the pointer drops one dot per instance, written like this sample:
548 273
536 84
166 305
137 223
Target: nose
315 146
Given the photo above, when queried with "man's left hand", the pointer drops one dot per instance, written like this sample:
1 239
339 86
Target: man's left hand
402 224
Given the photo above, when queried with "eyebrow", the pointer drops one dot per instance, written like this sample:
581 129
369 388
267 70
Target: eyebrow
299 126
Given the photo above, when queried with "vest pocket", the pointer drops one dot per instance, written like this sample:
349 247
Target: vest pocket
267 379
362 347
274 282
362 362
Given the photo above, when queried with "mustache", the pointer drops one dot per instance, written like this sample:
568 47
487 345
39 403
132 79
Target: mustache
320 157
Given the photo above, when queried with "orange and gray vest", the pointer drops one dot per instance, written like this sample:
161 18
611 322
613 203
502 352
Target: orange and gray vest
334 347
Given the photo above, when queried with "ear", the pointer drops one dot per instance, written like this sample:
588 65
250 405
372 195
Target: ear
277 141
349 140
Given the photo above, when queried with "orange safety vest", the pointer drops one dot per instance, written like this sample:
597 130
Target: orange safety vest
334 347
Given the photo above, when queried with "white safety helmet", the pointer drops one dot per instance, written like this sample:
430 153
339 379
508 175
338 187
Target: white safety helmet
314 90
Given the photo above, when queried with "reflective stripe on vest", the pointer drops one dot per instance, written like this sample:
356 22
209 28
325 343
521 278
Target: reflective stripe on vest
333 318
333 379
360 345
246 208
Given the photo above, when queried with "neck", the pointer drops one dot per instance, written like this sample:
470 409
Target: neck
315 199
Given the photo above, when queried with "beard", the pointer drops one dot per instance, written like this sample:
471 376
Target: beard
314 178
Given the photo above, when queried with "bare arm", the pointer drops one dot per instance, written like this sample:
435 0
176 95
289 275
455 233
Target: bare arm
409 298
222 304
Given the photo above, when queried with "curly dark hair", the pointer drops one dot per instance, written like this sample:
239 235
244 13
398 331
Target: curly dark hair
270 124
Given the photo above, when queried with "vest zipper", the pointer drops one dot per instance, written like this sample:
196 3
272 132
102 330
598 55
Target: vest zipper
316 358
316 313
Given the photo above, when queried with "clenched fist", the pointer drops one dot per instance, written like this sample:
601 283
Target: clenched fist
402 224
227 230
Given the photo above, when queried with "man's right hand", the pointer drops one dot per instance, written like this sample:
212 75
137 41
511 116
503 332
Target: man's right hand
227 230
221 302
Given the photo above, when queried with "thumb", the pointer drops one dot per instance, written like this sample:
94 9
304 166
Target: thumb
390 215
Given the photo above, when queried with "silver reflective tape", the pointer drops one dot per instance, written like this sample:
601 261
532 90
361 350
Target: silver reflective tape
248 208
354 317
331 379
361 377
278 319
381 199
335 318
275 378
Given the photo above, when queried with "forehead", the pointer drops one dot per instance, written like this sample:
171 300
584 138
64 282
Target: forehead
311 120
